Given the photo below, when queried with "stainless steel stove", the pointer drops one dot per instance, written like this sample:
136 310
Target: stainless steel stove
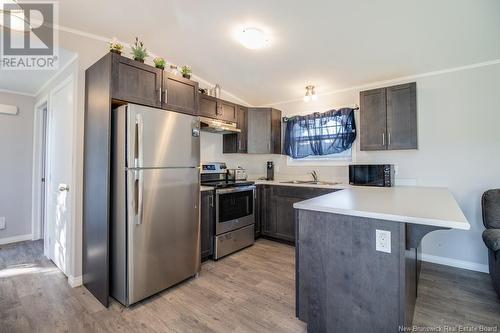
234 209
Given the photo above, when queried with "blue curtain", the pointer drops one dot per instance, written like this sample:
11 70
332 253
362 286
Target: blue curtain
331 132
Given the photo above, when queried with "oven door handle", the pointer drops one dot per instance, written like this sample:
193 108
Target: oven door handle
235 189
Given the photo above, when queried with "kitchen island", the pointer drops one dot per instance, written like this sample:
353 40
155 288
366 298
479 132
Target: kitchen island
358 255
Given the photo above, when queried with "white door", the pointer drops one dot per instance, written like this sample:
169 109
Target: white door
59 172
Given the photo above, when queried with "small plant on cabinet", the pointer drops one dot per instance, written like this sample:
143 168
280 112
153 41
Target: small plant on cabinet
186 71
115 47
160 63
139 51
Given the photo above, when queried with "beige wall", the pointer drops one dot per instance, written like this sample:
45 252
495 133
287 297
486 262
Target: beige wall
458 117
16 154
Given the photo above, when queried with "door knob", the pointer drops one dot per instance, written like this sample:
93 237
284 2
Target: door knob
63 187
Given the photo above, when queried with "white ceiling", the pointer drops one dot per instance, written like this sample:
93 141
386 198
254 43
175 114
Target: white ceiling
331 43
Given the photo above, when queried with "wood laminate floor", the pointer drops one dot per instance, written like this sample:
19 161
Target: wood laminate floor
249 291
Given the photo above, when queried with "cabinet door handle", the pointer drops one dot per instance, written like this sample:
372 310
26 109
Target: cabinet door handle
239 144
383 139
165 98
389 139
211 200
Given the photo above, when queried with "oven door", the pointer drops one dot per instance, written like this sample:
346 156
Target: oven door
234 208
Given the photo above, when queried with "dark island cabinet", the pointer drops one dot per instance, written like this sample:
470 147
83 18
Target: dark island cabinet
276 216
135 82
207 224
237 142
180 94
388 118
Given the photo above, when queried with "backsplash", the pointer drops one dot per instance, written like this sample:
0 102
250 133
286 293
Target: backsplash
255 164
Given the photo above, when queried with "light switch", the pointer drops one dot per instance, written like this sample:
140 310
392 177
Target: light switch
383 241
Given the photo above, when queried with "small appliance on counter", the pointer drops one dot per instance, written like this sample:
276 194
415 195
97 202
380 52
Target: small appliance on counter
381 175
234 208
237 174
270 170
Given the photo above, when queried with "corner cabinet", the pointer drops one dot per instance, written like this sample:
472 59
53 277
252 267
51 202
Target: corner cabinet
264 131
113 81
388 118
276 215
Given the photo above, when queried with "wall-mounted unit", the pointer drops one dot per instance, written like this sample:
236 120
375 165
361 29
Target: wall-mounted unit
8 109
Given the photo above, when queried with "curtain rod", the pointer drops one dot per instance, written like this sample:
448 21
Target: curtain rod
355 107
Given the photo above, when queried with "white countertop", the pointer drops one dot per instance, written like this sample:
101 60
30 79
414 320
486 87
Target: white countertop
339 186
206 188
432 206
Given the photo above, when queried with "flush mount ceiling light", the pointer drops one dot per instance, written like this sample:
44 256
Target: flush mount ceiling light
252 38
310 94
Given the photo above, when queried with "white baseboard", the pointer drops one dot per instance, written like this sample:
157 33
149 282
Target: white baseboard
15 239
472 266
75 281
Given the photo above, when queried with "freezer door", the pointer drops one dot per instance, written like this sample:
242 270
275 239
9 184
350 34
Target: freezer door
163 229
160 138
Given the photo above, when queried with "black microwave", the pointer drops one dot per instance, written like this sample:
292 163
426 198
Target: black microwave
371 174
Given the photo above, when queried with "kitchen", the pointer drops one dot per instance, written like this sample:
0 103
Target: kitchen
346 193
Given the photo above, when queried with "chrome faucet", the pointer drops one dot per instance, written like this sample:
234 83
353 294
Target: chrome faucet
315 176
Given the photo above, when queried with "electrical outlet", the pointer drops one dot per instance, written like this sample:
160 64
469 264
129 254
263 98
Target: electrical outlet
383 241
2 222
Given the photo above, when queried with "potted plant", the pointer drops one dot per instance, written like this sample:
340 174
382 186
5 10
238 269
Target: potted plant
186 71
139 51
160 63
115 47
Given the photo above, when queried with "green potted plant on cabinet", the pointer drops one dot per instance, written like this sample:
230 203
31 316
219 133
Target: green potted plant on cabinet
160 63
139 51
186 71
115 47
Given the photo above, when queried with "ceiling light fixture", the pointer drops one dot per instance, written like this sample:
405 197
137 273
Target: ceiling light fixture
252 38
310 94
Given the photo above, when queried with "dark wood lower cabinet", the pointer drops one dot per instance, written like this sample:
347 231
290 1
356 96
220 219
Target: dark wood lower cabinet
276 215
207 226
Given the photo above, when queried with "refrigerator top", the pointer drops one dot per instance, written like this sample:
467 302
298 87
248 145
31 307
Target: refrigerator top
158 138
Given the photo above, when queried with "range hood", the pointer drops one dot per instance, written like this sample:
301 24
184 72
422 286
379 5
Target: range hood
218 126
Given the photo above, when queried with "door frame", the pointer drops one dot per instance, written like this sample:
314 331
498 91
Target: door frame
36 202
37 164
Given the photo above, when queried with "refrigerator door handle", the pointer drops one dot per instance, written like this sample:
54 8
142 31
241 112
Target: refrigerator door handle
139 134
139 190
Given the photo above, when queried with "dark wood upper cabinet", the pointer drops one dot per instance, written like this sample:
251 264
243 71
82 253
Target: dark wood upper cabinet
373 118
237 143
135 82
388 118
217 108
264 131
402 117
180 94
208 106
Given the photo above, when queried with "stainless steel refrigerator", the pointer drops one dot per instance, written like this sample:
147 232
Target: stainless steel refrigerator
155 239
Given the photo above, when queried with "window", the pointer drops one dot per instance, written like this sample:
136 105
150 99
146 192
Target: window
321 136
